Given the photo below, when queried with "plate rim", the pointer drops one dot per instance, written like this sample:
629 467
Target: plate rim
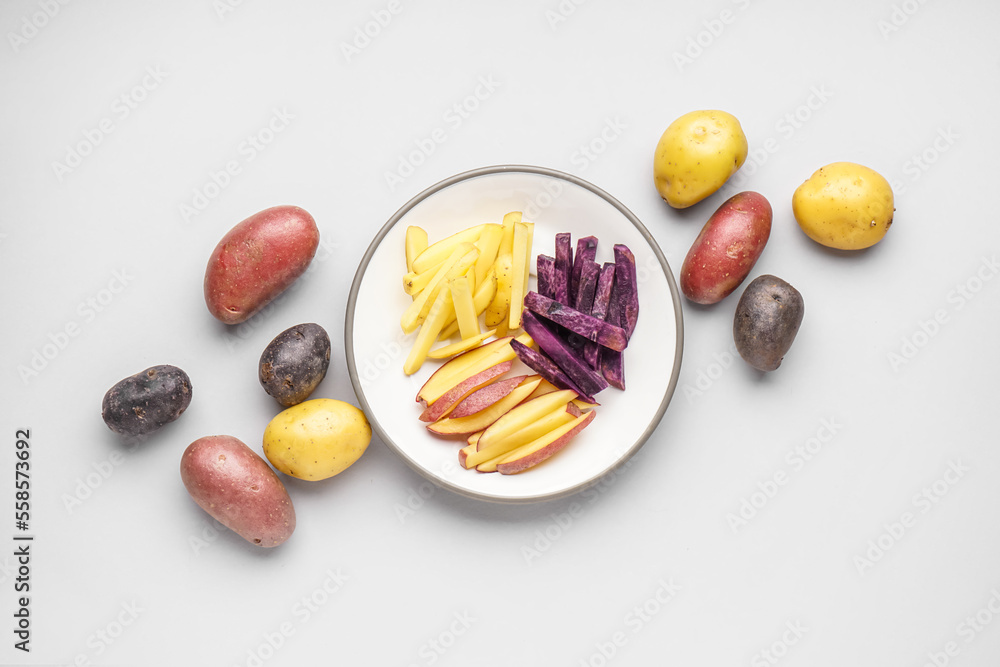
442 185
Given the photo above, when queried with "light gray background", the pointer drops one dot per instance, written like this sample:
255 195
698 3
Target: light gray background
127 570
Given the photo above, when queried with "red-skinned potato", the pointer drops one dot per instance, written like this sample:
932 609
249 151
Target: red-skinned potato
237 488
257 260
727 248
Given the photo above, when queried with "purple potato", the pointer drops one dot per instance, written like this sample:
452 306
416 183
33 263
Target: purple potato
294 363
146 401
767 319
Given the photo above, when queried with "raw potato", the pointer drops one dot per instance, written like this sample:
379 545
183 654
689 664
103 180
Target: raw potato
317 439
844 205
727 248
237 488
696 155
294 363
144 402
257 260
767 318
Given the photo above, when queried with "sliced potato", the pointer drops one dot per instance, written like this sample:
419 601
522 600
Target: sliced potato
489 246
440 251
482 299
457 264
463 345
519 274
465 309
416 243
496 313
529 433
415 283
429 330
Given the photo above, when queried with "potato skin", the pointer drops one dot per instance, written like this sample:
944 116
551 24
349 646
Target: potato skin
696 155
294 363
257 260
727 248
146 401
767 319
845 206
237 488
317 439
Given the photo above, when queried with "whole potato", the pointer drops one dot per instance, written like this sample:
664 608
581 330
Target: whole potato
146 401
257 260
767 319
696 155
317 439
238 489
294 363
844 205
727 248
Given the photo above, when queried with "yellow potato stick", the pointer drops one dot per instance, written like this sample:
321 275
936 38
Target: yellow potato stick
436 316
416 243
465 309
464 345
528 263
484 292
457 263
511 218
482 299
489 246
414 283
440 251
496 314
519 274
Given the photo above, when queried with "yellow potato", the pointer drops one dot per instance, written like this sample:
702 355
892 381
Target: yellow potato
696 155
844 205
317 439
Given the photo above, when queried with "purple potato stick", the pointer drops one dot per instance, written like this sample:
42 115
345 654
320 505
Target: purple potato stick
586 251
587 287
602 299
563 355
545 267
628 291
612 361
563 268
587 326
541 364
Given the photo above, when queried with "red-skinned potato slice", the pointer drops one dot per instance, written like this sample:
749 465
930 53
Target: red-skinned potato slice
544 447
452 397
485 396
458 369
483 418
528 431
523 415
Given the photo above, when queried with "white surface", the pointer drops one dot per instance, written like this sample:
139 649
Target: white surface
916 103
554 204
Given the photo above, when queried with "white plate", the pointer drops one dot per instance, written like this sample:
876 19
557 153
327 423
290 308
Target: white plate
555 202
